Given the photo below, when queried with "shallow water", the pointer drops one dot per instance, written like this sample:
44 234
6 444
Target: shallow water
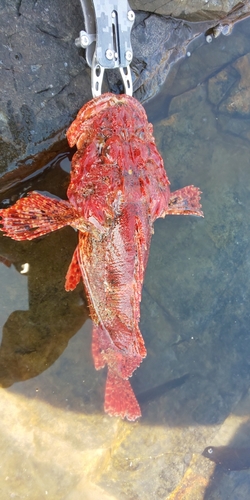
55 439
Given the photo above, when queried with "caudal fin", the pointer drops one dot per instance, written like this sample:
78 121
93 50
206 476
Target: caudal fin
120 400
185 201
35 216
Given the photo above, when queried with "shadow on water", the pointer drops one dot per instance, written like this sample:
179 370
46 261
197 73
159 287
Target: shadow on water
35 338
196 296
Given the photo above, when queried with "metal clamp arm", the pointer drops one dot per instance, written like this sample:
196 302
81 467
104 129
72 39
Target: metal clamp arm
107 40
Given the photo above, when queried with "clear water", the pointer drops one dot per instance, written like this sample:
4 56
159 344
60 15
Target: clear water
55 439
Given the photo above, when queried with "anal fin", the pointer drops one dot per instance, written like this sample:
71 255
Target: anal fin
99 361
74 274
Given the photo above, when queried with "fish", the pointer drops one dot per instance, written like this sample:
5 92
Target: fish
228 458
162 389
118 188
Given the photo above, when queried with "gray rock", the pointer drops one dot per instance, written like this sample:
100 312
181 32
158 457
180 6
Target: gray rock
159 43
192 8
43 77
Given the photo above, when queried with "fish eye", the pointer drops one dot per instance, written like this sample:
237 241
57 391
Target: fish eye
210 450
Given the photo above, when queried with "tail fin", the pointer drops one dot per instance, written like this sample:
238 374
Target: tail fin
35 216
185 201
120 400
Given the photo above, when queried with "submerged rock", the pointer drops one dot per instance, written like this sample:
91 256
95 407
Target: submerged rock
238 100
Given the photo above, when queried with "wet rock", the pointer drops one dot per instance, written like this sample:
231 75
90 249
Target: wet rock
198 122
194 9
43 78
206 61
235 126
220 85
229 92
155 463
159 43
238 100
47 456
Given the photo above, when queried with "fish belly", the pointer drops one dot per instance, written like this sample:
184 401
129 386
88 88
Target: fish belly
113 271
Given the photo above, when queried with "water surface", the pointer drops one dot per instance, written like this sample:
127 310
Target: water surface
56 439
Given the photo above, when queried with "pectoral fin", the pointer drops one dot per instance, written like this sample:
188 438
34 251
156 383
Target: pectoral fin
35 216
185 201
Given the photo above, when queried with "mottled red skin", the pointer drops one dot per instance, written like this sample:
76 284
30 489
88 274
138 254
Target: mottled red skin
118 188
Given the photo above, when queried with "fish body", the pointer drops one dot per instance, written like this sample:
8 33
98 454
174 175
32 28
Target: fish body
228 458
118 188
162 389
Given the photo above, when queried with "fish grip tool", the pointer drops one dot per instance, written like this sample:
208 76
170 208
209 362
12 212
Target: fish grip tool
107 40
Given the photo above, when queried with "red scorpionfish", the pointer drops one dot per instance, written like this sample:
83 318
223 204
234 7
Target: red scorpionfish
118 188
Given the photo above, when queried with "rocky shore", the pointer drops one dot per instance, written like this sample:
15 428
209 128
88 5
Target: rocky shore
44 78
